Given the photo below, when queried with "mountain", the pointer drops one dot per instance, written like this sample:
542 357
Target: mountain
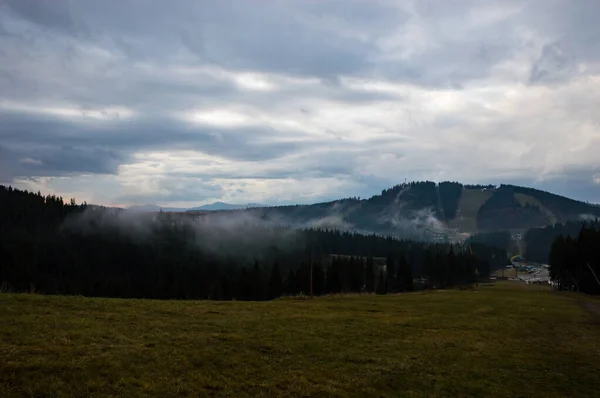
217 206
418 210
153 208
222 206
426 210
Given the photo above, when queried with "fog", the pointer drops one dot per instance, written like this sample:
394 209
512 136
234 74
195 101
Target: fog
222 234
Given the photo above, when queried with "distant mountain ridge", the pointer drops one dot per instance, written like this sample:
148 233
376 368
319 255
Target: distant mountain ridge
223 206
153 208
424 210
216 206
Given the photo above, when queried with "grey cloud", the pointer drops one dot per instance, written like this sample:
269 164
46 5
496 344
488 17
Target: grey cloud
292 38
554 64
100 147
103 54
8 162
285 52
573 39
310 164
297 38
37 71
55 14
58 160
181 191
70 159
463 53
230 34
456 63
574 24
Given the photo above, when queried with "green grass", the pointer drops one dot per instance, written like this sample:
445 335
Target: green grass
505 340
468 206
507 273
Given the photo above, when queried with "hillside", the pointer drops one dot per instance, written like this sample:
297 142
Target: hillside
53 247
426 210
506 340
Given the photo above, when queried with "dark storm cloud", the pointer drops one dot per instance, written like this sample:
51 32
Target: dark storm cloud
99 147
50 161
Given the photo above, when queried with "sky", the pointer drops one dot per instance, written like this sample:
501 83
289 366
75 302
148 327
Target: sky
180 103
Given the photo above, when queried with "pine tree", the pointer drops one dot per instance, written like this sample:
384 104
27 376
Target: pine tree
357 272
275 287
409 277
290 285
391 273
226 288
370 275
381 286
318 279
452 268
404 273
244 287
37 249
331 277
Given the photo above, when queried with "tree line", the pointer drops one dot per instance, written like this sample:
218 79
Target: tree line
538 241
575 261
52 247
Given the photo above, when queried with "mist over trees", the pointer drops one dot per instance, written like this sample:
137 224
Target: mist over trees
51 247
424 210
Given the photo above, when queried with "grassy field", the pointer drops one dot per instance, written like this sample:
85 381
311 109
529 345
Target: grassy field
507 273
504 340
468 206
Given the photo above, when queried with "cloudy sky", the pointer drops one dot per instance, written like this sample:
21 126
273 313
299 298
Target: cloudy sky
180 103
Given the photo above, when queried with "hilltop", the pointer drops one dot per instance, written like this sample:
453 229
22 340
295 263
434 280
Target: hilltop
428 210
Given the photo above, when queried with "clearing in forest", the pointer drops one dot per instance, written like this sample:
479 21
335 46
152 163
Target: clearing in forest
468 207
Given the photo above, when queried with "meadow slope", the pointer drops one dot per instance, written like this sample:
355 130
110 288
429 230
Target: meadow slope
504 340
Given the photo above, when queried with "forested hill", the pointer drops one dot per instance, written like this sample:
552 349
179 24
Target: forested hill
49 246
426 210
